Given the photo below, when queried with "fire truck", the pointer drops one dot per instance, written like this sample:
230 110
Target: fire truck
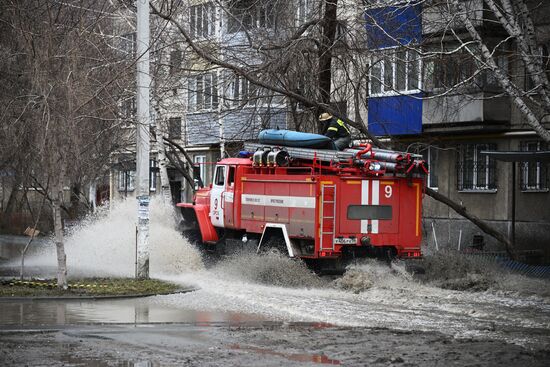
323 206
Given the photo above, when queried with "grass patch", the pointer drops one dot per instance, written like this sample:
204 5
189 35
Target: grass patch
86 287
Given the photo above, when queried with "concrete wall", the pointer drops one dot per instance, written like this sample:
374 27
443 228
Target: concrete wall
532 213
530 236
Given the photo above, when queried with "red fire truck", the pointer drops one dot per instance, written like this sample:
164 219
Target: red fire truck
322 206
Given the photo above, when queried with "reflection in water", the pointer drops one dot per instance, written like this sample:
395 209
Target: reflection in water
315 358
143 310
72 360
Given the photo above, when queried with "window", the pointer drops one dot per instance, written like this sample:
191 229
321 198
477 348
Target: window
250 14
544 56
202 20
153 169
231 177
175 61
476 172
126 180
128 108
174 127
243 92
199 170
203 92
304 11
128 44
395 71
534 175
503 65
448 70
431 157
369 212
220 176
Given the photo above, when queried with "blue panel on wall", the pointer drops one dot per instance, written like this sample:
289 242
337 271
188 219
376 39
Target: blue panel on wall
397 115
393 26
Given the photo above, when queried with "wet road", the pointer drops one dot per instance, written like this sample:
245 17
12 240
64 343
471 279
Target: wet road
235 320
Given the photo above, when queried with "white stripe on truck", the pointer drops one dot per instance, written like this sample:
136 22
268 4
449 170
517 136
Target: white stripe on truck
279 201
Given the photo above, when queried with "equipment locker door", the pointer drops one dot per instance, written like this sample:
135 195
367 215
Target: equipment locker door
228 198
216 197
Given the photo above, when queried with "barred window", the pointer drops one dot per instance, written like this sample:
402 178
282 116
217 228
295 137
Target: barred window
534 175
476 172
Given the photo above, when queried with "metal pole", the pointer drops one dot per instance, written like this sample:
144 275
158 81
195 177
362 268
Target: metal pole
142 137
221 91
435 237
513 204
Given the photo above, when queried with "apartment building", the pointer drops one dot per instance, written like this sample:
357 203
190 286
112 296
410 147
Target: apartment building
429 90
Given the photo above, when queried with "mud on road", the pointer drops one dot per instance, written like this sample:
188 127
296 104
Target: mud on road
253 344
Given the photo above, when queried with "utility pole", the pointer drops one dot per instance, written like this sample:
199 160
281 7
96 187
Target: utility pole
142 138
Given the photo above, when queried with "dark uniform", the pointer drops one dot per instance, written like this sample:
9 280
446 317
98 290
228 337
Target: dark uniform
338 132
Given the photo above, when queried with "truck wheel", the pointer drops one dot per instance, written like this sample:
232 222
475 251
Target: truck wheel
275 244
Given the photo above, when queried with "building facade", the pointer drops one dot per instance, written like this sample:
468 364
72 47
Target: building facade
437 97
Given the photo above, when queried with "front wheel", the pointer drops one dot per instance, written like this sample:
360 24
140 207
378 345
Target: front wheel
274 244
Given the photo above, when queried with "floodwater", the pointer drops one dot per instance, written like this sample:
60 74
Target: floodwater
458 297
109 311
379 298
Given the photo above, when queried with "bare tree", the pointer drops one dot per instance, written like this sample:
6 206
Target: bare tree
61 111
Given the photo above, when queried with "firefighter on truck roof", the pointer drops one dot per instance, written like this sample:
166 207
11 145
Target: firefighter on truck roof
336 130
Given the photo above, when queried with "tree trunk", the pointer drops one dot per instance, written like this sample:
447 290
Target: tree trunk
58 229
31 238
325 50
162 163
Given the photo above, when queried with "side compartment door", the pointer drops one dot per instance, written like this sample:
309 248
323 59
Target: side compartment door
228 198
217 196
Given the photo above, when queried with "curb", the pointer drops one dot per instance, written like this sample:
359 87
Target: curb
93 298
98 297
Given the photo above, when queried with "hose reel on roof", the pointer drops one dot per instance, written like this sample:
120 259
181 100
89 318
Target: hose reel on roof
277 158
271 158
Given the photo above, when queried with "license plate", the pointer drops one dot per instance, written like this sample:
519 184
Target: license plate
345 241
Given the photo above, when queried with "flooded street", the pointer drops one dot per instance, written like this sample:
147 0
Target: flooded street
236 318
392 301
270 310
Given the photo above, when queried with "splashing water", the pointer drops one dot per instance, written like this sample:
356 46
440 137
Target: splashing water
269 268
451 270
104 244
